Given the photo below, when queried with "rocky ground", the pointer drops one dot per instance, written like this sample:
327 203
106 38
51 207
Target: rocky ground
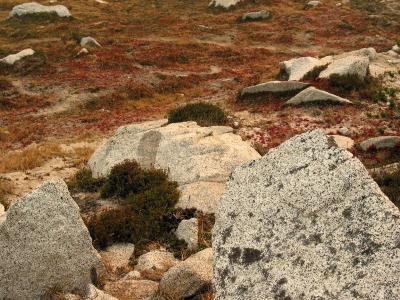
100 65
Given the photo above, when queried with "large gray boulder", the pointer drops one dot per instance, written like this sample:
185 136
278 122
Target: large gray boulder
45 245
274 87
306 221
312 95
350 65
36 8
225 4
200 159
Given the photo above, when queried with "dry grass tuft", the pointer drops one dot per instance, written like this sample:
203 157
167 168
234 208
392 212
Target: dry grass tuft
31 157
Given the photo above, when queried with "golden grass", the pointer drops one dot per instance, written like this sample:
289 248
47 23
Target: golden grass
31 157
6 188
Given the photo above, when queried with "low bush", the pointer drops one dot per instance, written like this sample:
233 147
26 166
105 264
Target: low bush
314 73
146 212
203 113
84 181
349 82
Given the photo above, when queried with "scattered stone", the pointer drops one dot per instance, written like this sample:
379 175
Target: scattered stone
297 68
36 8
256 16
275 87
312 95
312 4
89 42
82 52
154 264
13 58
350 65
44 244
189 277
188 230
396 48
133 275
344 131
343 141
132 289
117 256
96 294
303 222
381 142
200 159
386 170
225 4
236 124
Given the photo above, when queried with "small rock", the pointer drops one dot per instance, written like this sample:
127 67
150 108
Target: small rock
89 42
96 294
344 131
236 124
13 58
226 4
396 48
82 52
188 230
189 277
343 141
132 289
393 53
313 95
256 16
36 8
381 142
275 87
154 264
117 256
312 4
132 275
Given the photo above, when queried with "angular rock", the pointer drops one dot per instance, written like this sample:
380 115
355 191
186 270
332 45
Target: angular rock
313 3
132 289
36 8
82 52
117 256
13 58
44 244
343 141
297 68
304 222
396 48
200 159
312 95
256 16
350 65
154 264
344 131
132 275
188 230
88 41
189 277
96 294
225 4
381 142
275 87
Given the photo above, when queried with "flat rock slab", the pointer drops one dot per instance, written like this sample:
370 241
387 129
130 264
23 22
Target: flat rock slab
312 95
306 221
36 8
44 244
200 159
297 68
13 58
380 142
275 87
256 16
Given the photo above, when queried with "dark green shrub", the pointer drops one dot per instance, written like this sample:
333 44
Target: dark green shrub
129 178
348 82
203 113
390 185
84 182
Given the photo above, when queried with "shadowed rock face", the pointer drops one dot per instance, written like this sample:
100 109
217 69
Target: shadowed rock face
306 221
45 245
